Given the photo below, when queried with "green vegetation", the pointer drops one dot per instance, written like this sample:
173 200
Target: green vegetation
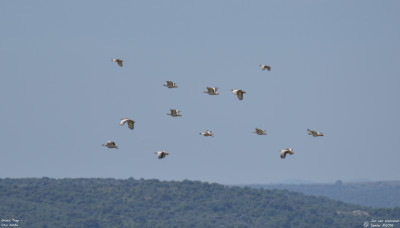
131 203
383 194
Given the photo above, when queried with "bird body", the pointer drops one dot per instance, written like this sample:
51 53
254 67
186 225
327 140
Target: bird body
212 91
239 93
314 133
129 122
119 61
110 144
161 154
174 113
265 67
207 133
286 151
170 85
260 132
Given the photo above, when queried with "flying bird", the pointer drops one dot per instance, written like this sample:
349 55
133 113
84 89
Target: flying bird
128 121
174 113
286 151
207 133
314 133
119 61
212 91
265 67
110 144
171 85
239 93
161 154
260 131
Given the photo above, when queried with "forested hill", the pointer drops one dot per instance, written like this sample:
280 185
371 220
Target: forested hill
384 194
131 203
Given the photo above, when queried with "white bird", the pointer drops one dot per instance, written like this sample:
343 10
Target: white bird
128 121
260 131
161 154
207 133
171 85
119 61
110 144
286 151
174 113
314 133
212 91
265 67
239 93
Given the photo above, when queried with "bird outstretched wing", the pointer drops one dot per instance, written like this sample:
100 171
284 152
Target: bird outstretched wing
130 124
240 95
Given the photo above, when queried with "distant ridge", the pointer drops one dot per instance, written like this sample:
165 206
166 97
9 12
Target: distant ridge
98 203
295 181
378 194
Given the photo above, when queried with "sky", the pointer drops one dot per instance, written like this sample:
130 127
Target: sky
335 69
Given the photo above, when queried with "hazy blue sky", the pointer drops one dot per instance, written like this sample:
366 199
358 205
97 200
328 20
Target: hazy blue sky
335 69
